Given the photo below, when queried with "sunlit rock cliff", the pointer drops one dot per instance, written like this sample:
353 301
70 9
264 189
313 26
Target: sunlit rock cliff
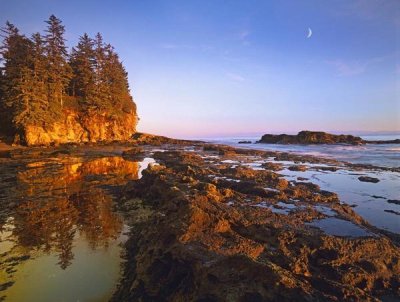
79 128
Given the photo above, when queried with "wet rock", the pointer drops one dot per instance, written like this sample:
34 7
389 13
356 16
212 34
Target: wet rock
378 197
244 142
300 168
205 250
157 140
392 211
6 285
282 184
272 166
327 168
133 151
368 179
394 201
393 141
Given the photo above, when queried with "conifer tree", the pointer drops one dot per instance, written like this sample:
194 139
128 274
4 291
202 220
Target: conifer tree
82 62
16 54
58 68
101 95
39 74
117 80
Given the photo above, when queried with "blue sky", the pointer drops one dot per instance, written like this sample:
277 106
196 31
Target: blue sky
212 68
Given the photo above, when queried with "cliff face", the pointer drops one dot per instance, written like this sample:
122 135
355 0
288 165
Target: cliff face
311 137
76 127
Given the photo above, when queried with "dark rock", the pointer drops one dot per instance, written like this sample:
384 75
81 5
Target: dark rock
329 168
393 141
311 137
133 151
272 166
157 140
393 212
368 179
301 168
244 142
6 285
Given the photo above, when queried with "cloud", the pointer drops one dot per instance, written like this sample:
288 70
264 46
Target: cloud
175 46
243 34
235 77
347 69
355 67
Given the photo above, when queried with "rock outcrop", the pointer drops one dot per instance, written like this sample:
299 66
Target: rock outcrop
319 137
311 137
76 127
204 231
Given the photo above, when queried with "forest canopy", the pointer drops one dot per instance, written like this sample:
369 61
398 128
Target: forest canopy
40 77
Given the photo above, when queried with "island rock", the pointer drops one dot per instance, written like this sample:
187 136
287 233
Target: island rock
311 137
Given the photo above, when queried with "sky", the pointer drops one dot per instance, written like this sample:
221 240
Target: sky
204 68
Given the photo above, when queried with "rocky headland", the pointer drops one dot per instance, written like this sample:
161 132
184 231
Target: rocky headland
50 96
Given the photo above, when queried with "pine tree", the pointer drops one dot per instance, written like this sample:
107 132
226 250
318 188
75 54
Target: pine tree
82 62
101 95
16 54
58 68
117 81
40 74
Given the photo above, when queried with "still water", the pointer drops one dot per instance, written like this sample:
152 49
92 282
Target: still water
60 235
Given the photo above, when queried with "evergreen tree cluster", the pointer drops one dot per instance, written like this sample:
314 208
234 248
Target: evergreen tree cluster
39 77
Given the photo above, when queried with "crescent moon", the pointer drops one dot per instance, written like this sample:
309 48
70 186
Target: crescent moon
309 33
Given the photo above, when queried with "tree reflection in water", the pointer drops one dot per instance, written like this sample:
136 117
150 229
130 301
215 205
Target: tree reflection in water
66 201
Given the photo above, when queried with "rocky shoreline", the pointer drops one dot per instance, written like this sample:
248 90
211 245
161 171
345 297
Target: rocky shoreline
217 223
206 230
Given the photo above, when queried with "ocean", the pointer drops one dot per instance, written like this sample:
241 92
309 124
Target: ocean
385 155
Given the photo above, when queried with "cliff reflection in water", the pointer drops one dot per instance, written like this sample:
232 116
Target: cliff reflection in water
56 202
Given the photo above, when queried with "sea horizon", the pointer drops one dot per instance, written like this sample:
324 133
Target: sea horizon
368 135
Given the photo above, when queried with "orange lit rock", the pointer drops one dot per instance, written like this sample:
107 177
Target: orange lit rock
78 128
